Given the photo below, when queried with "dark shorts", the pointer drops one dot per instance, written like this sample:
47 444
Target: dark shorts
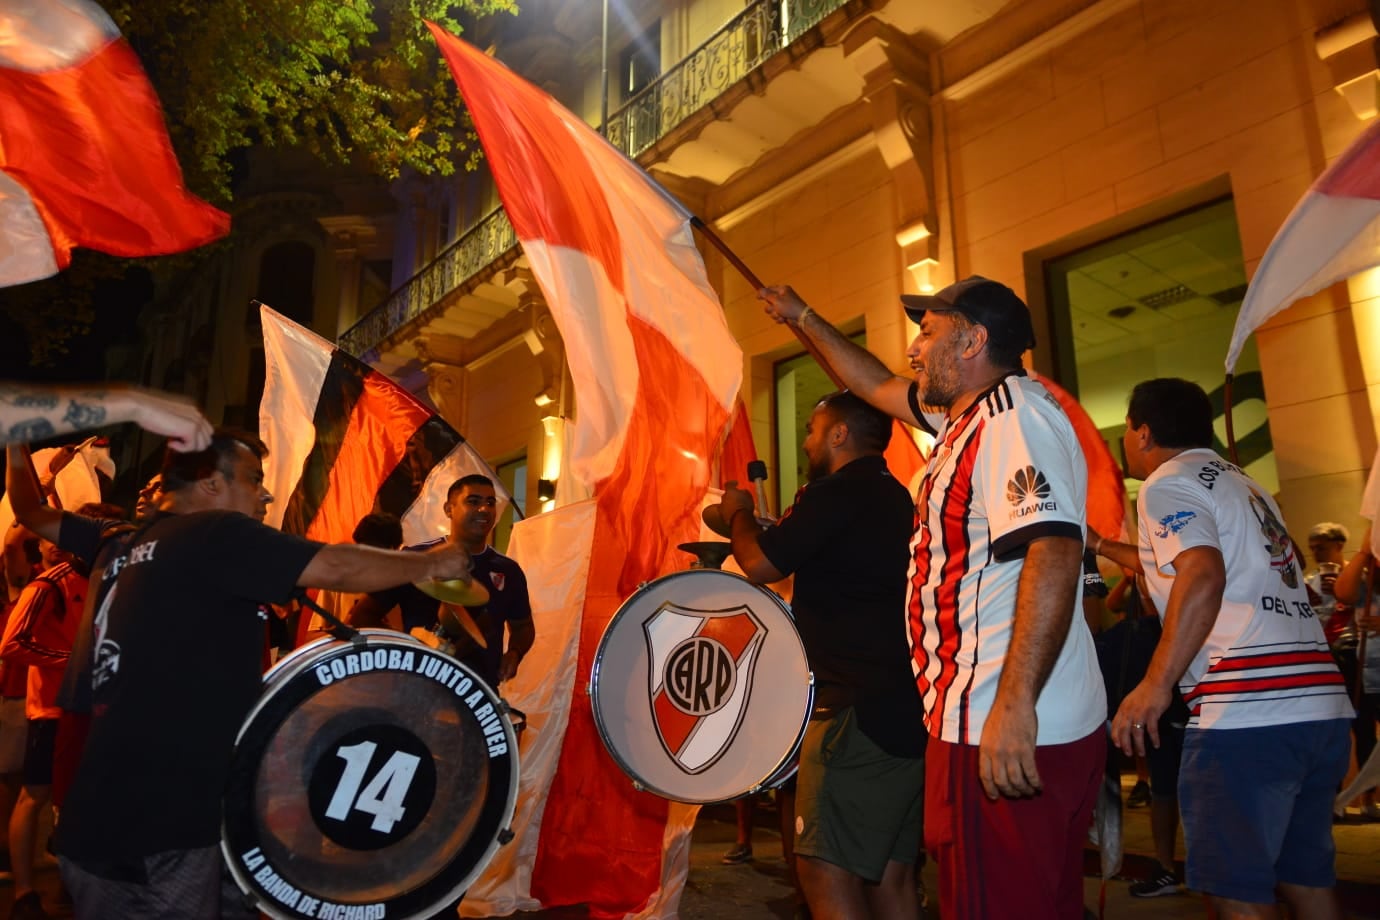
856 806
174 885
38 752
1257 807
1012 857
1164 760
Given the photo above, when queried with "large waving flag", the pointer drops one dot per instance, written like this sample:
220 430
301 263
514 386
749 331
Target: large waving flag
76 483
345 441
1332 234
1106 484
85 158
656 372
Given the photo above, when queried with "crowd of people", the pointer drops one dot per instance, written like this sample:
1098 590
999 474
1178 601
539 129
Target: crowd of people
961 713
129 718
1240 676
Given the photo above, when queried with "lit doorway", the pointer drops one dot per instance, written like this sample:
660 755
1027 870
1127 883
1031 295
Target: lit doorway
1160 301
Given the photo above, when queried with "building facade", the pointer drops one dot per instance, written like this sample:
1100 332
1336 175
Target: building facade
1121 163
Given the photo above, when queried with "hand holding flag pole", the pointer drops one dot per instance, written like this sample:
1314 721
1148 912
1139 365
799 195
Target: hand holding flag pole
717 242
903 456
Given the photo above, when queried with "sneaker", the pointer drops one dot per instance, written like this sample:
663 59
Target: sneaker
28 907
1161 883
738 855
1140 795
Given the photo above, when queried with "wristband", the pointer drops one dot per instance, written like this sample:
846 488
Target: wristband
1097 550
800 320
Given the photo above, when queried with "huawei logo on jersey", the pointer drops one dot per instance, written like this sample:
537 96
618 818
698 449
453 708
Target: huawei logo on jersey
1027 492
1028 483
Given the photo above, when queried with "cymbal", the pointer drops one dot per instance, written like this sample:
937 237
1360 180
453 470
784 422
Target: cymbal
455 591
710 553
713 517
456 622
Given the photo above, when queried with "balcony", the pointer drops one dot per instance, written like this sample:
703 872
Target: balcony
462 260
740 47
728 57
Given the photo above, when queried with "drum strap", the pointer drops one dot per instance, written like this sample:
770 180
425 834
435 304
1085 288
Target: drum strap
338 628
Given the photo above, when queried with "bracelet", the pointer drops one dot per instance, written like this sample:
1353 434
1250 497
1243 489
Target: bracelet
1097 550
800 320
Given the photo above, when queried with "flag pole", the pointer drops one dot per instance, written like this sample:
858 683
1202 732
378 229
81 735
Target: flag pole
757 285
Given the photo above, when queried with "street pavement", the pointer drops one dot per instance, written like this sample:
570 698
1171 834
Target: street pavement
760 890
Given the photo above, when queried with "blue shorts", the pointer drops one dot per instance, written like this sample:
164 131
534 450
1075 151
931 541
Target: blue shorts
1257 807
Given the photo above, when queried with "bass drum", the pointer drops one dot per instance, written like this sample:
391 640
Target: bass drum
700 687
375 778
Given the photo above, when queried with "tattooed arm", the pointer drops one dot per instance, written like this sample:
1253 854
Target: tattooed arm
33 412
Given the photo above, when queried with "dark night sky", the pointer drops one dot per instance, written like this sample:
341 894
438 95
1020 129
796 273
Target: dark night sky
117 305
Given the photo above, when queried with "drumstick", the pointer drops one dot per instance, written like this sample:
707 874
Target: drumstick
757 285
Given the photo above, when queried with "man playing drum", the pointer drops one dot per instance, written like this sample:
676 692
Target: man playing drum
1013 697
861 780
178 638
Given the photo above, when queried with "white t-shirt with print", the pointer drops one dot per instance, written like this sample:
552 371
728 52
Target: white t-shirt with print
1265 662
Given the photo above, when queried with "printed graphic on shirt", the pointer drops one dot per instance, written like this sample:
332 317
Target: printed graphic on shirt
1027 482
497 580
1276 541
107 662
1173 523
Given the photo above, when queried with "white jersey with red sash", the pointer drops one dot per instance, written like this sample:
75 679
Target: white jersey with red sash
1007 471
1266 661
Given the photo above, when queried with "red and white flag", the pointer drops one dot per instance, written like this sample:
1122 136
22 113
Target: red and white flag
85 158
1106 481
656 372
345 441
1332 234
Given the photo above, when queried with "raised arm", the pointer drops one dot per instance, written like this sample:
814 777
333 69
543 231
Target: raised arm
26 496
859 369
745 535
360 569
32 412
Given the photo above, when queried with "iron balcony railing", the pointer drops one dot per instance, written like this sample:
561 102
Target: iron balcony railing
461 261
730 54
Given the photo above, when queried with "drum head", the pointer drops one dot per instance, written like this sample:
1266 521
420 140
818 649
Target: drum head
701 690
373 779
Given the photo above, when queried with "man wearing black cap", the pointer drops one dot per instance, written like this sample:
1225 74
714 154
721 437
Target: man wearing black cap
1014 703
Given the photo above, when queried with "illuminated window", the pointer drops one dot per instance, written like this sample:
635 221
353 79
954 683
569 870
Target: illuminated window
1160 301
513 475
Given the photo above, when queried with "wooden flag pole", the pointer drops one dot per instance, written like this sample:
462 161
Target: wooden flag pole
757 285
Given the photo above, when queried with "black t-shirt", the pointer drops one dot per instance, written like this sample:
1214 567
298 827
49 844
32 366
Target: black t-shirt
85 538
508 603
847 541
178 643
